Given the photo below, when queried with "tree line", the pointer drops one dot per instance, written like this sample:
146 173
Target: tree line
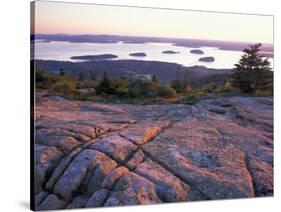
252 75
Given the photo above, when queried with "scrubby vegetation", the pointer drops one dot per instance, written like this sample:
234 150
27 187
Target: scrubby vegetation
120 89
166 91
252 76
56 83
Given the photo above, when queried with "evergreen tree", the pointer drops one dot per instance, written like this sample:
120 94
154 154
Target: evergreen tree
154 78
94 76
186 84
105 85
62 72
185 77
178 73
253 73
178 84
81 76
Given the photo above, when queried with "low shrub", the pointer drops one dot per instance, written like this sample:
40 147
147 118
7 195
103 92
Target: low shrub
230 92
65 87
143 88
120 86
44 79
167 91
86 84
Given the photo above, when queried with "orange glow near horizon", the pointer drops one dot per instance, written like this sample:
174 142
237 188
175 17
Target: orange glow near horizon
70 18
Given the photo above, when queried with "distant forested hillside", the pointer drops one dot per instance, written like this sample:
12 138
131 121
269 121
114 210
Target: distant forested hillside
165 72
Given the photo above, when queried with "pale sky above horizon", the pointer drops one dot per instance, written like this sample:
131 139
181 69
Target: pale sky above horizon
71 18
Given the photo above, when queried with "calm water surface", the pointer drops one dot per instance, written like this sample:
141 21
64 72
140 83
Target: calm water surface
63 51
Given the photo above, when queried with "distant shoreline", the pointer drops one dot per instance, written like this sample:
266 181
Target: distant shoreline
192 43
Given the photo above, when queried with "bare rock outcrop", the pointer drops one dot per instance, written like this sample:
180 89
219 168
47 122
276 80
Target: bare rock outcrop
133 189
92 155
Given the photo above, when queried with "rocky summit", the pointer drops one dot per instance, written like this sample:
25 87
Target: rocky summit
93 155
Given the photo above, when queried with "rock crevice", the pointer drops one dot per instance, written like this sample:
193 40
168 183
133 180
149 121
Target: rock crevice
93 155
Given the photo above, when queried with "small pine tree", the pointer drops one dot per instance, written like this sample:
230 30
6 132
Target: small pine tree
81 76
154 78
62 72
178 73
94 76
105 85
252 73
186 78
178 84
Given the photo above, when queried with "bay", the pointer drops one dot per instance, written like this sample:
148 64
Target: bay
63 51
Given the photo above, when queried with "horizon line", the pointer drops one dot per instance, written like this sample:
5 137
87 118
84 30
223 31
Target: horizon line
141 36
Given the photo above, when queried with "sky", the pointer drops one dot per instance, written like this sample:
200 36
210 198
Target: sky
73 18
